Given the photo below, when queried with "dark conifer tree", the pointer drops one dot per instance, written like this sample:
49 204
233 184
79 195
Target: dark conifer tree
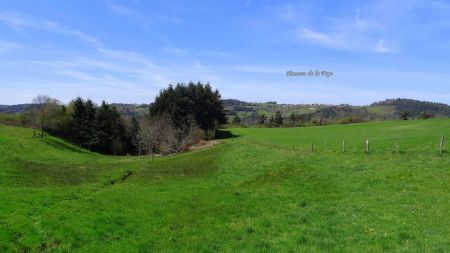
77 129
110 130
103 123
133 133
90 137
193 100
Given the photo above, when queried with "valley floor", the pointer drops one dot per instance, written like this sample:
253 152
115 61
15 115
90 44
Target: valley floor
264 190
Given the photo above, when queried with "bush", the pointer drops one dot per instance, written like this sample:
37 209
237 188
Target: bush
350 120
13 119
160 135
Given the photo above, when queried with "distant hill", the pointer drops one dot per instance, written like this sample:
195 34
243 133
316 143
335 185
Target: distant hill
131 109
251 111
14 108
233 107
125 109
318 114
416 108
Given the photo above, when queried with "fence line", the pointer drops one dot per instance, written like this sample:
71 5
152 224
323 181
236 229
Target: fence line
312 146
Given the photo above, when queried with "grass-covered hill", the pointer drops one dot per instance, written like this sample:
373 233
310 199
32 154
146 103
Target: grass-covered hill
387 109
414 108
262 191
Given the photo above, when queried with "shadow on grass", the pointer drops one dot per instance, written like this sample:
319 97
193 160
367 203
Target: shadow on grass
225 134
63 145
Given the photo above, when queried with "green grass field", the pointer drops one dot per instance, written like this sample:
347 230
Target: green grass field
262 191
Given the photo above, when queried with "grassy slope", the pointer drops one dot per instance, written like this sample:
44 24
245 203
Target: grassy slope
250 194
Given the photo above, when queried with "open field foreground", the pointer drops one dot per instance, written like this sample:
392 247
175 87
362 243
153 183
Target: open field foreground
264 190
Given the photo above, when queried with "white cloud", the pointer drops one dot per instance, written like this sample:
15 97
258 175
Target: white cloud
97 72
174 51
314 36
19 22
128 12
259 69
380 47
350 30
6 46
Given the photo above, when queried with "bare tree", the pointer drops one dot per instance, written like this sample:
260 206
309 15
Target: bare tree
43 108
159 134
151 135
138 142
180 138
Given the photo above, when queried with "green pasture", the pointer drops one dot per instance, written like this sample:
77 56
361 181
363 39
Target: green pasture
263 190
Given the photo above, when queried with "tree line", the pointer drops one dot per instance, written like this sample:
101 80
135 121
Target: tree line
81 122
179 117
298 115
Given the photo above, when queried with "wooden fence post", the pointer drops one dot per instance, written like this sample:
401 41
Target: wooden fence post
441 145
343 146
367 146
396 147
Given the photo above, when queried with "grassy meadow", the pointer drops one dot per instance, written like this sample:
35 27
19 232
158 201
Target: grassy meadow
263 190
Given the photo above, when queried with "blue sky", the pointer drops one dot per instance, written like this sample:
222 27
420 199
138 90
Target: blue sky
125 51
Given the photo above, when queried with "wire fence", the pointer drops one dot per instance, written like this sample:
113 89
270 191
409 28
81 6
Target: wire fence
366 146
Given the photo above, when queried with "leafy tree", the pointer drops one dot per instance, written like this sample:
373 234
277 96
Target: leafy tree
426 115
293 118
271 122
236 119
61 123
404 115
262 119
278 119
44 108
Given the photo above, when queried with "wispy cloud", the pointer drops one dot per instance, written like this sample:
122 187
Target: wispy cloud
19 22
107 75
313 36
99 71
382 48
174 51
6 46
128 12
356 31
256 69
